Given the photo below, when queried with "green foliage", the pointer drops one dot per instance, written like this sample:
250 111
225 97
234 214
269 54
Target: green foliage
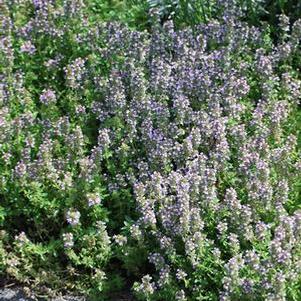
132 12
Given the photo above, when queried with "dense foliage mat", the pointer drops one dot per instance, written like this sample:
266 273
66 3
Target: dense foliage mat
167 159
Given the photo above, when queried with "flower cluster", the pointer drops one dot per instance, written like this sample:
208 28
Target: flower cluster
68 240
75 73
28 47
73 217
48 97
93 199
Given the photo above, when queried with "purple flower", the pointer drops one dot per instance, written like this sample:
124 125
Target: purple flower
73 217
48 97
75 73
93 199
28 47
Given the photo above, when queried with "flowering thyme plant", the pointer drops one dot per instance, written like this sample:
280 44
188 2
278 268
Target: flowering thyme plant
169 156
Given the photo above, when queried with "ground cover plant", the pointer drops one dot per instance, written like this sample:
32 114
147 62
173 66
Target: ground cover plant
163 155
